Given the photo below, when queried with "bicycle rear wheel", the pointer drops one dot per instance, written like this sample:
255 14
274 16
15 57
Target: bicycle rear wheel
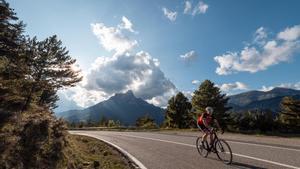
223 151
202 148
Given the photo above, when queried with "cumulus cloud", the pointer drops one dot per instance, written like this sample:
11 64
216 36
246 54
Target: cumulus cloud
228 87
112 38
170 14
137 72
290 34
189 56
295 86
259 56
195 82
187 7
126 24
123 71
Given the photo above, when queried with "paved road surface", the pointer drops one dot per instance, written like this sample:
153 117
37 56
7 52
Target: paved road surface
167 150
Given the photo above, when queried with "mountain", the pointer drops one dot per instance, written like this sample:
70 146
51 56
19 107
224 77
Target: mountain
124 107
261 100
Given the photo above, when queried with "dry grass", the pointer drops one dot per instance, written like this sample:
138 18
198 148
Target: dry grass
87 153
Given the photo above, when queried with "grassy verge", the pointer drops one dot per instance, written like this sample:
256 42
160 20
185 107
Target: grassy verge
89 153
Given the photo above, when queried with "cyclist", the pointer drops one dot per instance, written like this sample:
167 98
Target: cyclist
205 121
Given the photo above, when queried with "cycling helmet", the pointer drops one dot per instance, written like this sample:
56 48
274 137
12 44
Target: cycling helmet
209 110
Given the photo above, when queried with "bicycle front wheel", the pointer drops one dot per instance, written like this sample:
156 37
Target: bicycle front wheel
223 151
202 149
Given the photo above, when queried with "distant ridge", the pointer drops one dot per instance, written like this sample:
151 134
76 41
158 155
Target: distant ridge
261 100
124 107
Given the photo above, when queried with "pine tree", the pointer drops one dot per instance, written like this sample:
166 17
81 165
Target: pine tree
178 112
210 95
30 74
289 116
51 69
13 61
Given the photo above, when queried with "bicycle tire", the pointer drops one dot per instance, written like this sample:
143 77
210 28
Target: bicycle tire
220 146
202 149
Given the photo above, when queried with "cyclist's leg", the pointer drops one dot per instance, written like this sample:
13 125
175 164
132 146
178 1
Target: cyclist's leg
206 133
204 137
211 138
200 128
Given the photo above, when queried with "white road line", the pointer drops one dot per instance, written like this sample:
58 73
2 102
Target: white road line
261 145
240 155
267 161
256 144
131 157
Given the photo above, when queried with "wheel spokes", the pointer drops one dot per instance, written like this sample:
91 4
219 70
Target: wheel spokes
223 151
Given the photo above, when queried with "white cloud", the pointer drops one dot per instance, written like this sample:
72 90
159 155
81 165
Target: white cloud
227 87
195 82
84 97
126 24
188 94
258 57
295 86
162 100
112 38
290 34
260 36
122 71
200 8
138 72
170 14
187 7
266 88
189 56
291 85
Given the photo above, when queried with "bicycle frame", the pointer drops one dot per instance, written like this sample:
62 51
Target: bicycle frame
215 138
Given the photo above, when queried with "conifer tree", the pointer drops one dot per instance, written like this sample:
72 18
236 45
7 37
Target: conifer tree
178 112
210 95
13 61
289 116
51 69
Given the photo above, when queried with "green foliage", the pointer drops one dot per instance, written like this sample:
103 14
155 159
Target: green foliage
146 122
208 94
178 112
31 72
13 67
258 120
289 116
51 68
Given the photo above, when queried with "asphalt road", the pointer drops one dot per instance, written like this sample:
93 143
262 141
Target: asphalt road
169 150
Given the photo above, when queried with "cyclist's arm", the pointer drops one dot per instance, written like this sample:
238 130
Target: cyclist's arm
218 125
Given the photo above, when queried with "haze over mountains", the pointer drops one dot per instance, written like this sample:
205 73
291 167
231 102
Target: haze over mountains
126 108
261 100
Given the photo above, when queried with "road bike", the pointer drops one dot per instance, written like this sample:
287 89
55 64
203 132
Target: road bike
218 146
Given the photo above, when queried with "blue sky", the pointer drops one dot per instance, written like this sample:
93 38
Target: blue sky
253 43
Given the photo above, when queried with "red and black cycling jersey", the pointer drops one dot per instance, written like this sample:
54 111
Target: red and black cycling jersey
207 117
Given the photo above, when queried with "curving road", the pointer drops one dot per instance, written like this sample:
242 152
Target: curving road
176 150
